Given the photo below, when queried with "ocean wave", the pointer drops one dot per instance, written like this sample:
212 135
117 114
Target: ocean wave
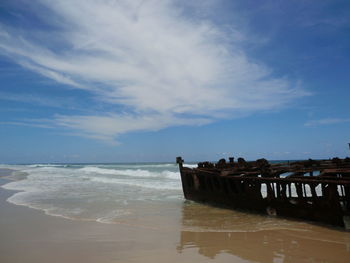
21 199
94 192
47 165
139 173
151 165
142 184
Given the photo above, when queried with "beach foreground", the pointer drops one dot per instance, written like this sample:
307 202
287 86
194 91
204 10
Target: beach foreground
180 233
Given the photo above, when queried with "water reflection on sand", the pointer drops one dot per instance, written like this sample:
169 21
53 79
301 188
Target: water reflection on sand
213 231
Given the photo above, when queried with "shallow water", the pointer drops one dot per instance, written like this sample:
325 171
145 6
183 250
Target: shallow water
95 192
149 197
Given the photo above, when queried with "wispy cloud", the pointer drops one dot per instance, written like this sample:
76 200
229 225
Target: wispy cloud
30 123
327 121
165 67
106 127
38 100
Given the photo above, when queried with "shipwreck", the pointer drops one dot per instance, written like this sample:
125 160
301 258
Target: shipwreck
313 190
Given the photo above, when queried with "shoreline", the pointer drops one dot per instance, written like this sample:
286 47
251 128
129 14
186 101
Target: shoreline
11 175
29 235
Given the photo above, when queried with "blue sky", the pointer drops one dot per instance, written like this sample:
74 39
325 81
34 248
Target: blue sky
117 81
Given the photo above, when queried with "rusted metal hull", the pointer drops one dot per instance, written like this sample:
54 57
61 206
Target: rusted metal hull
324 198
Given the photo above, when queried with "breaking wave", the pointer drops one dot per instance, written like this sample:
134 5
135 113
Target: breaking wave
139 173
95 192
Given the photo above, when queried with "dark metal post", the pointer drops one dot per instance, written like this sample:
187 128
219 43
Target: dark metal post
179 161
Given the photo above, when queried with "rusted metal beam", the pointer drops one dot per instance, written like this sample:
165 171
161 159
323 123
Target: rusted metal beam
239 185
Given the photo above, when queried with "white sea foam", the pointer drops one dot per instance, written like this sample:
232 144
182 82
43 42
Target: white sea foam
108 218
94 192
140 173
144 184
162 165
117 193
47 165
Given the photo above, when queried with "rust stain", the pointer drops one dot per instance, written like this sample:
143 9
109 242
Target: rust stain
316 190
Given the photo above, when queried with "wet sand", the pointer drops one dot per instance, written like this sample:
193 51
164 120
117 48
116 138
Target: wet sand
188 235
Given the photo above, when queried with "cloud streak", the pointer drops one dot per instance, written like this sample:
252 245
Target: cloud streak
39 100
165 68
327 121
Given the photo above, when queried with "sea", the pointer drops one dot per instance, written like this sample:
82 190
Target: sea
99 192
114 193
107 193
149 196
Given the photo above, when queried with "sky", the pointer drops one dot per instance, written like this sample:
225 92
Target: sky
149 80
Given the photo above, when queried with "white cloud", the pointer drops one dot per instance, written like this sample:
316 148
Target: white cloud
31 123
150 57
39 100
106 127
327 121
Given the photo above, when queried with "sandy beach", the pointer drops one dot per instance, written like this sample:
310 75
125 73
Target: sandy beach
185 234
174 131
